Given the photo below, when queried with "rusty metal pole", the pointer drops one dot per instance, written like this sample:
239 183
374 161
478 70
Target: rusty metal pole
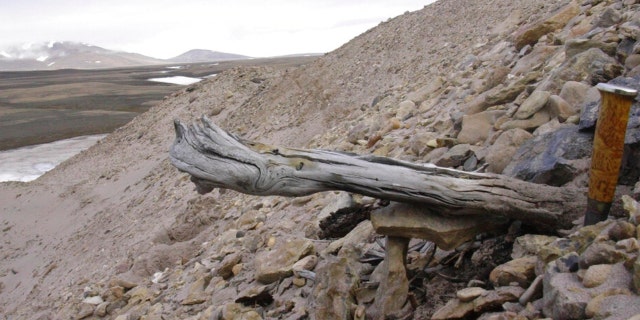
608 146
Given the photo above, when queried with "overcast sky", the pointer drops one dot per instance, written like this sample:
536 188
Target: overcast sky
167 28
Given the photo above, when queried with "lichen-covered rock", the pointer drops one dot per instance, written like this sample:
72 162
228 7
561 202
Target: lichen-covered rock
601 253
530 244
621 230
594 306
277 263
596 275
620 306
521 271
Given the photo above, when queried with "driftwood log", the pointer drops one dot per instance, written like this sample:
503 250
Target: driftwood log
217 159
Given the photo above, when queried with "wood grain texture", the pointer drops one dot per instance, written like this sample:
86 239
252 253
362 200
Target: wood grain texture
608 145
217 159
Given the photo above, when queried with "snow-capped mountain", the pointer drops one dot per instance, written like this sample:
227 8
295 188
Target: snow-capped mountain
74 55
66 54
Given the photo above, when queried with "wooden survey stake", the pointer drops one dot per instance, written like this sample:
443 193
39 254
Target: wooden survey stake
608 146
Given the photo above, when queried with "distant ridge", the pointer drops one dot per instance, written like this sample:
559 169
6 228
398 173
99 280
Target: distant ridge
202 55
68 55
74 55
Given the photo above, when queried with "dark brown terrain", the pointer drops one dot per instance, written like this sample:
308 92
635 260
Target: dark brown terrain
44 106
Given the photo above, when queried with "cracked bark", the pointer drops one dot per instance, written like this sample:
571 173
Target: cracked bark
217 159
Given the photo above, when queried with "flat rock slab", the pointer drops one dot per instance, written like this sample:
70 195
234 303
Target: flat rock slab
417 221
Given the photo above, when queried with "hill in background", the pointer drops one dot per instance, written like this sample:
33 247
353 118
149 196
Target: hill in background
74 55
201 55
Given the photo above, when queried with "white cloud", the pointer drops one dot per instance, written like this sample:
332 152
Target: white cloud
166 28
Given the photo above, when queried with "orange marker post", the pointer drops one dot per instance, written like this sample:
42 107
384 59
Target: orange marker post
608 145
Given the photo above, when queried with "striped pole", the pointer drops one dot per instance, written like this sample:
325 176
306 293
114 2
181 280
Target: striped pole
608 146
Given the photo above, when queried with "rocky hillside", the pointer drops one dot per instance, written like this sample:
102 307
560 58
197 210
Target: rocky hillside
499 85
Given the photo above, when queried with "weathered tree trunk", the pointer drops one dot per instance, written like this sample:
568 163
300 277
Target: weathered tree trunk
215 158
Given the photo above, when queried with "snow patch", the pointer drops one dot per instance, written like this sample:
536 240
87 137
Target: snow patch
42 58
177 80
159 276
175 67
28 163
5 54
50 64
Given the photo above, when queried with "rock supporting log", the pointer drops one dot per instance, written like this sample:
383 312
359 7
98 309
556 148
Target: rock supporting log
216 158
416 221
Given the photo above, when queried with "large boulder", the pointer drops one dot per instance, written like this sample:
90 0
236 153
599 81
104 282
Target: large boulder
530 33
547 159
592 67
